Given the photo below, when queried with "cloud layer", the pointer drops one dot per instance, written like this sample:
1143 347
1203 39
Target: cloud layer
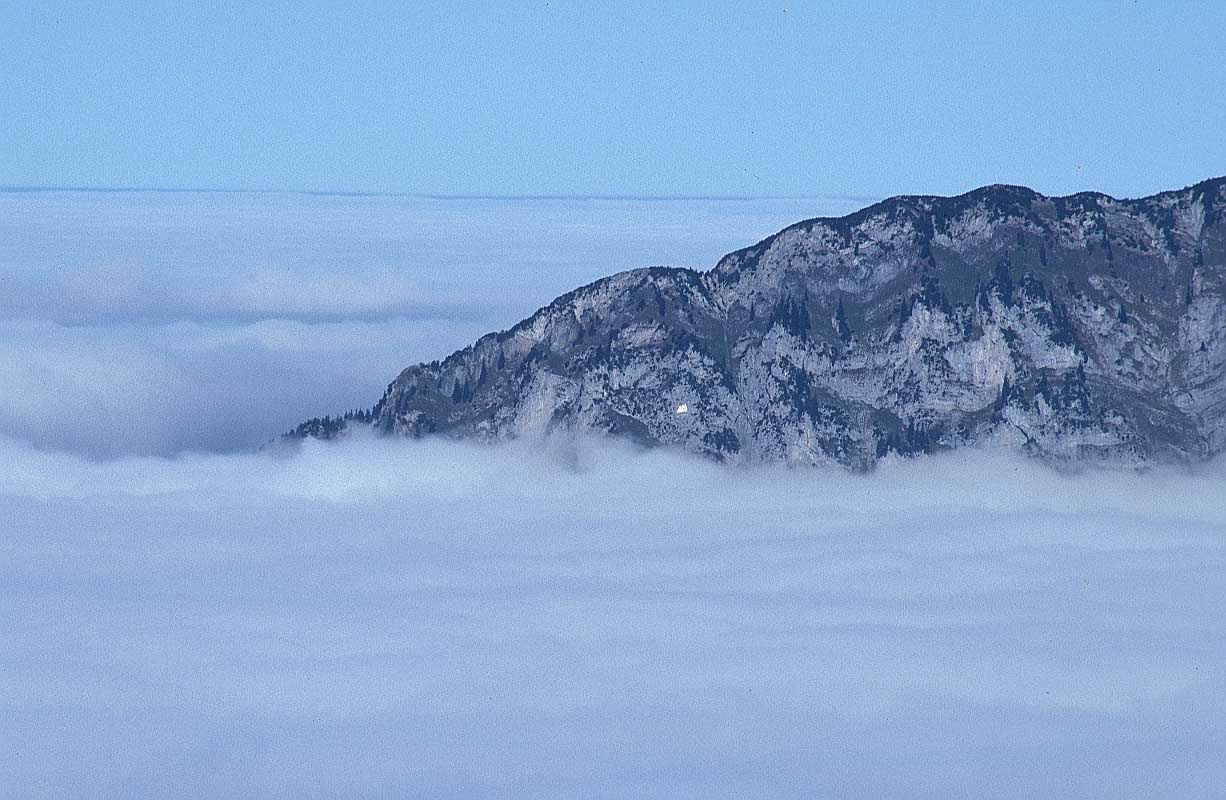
386 618
571 618
139 322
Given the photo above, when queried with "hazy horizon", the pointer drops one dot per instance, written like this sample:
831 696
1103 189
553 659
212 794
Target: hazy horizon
433 196
866 200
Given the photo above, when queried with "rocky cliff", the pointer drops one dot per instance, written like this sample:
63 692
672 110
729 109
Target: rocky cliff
1075 328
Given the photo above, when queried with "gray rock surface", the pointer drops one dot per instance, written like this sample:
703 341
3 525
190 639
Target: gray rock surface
1075 328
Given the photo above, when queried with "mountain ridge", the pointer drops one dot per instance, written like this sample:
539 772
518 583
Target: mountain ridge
1074 328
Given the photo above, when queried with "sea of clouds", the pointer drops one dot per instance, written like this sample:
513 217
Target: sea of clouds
155 322
379 618
384 618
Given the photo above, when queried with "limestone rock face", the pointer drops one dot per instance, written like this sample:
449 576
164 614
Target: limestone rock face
1075 328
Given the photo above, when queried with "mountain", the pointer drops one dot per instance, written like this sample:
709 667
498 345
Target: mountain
1075 328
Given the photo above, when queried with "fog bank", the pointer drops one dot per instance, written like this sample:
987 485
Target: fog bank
154 322
389 618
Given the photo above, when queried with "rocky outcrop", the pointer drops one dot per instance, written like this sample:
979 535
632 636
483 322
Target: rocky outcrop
1075 328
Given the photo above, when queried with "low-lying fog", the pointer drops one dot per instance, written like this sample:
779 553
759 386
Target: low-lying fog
579 619
431 619
153 322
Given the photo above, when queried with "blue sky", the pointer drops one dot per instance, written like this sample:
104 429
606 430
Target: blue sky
651 99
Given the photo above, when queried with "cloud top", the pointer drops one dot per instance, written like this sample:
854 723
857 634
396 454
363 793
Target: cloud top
153 322
379 617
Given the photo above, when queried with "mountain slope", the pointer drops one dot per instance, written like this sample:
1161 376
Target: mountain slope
1075 328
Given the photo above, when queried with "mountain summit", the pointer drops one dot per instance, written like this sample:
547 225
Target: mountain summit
1075 328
